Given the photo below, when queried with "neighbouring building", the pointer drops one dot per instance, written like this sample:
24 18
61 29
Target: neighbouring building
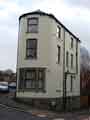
48 62
7 76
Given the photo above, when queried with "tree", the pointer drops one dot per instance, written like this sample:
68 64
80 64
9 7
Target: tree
85 71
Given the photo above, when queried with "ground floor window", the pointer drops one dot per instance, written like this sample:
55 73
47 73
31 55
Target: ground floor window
72 82
32 78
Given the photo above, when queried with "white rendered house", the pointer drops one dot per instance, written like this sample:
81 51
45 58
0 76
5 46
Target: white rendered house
48 59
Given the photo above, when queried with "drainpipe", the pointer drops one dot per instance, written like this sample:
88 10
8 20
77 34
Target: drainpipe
64 76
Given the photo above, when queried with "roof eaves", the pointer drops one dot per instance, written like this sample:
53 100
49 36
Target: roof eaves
51 16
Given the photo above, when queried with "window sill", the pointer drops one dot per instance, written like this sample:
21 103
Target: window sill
32 32
72 48
28 58
58 90
32 90
58 63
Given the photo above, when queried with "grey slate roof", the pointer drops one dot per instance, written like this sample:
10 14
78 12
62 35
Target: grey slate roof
39 12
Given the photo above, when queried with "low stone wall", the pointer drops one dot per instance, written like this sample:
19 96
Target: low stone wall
54 104
73 102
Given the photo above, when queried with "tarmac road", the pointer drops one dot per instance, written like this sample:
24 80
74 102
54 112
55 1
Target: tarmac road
13 114
7 113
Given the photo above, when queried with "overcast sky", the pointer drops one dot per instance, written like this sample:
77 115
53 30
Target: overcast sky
74 14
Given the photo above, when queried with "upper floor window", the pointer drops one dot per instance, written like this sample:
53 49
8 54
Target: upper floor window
58 32
32 25
77 56
59 50
67 58
71 60
71 42
31 48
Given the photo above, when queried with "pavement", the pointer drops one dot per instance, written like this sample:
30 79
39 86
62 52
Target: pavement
16 107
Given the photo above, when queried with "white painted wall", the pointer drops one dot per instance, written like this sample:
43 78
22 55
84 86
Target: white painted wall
76 81
46 57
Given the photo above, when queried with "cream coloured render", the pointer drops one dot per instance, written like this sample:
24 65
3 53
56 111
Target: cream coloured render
76 81
47 58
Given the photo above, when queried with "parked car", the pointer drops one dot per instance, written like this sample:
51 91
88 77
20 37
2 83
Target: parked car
4 87
12 86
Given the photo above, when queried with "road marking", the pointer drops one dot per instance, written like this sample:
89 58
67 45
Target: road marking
58 119
41 115
17 109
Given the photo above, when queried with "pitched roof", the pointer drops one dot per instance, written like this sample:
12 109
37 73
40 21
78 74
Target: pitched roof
39 12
